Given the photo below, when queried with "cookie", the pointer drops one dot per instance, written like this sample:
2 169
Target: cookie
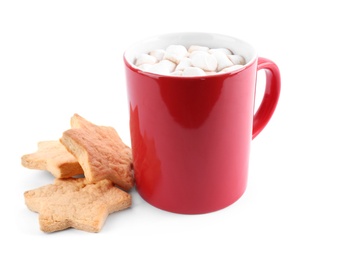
75 203
52 156
100 152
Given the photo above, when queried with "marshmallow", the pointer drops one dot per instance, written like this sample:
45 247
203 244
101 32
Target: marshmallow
169 64
175 53
193 71
224 50
232 68
191 54
159 68
211 73
158 54
222 60
184 63
176 73
237 59
204 61
145 59
193 48
197 60
145 66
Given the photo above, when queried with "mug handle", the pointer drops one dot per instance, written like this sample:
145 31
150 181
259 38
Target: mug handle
271 95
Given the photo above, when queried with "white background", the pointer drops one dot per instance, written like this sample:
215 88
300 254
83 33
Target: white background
60 57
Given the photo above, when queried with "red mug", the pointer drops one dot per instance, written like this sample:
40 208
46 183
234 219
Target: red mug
190 136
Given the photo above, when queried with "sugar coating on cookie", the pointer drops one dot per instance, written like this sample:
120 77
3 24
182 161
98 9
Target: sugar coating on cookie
52 156
75 203
100 152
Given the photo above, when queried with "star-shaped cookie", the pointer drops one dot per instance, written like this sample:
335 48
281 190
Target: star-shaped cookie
52 156
100 152
75 203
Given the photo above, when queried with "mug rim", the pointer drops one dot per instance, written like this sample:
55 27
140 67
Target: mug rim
195 38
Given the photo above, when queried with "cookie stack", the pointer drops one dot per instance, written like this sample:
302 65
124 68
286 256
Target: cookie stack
99 155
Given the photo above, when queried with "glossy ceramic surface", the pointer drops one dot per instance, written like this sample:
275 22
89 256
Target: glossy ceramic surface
191 135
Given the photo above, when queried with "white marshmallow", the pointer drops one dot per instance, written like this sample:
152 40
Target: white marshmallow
193 48
175 53
232 68
204 61
224 50
199 61
222 60
184 63
193 71
191 54
211 73
237 59
169 64
176 73
145 66
158 68
158 54
145 59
